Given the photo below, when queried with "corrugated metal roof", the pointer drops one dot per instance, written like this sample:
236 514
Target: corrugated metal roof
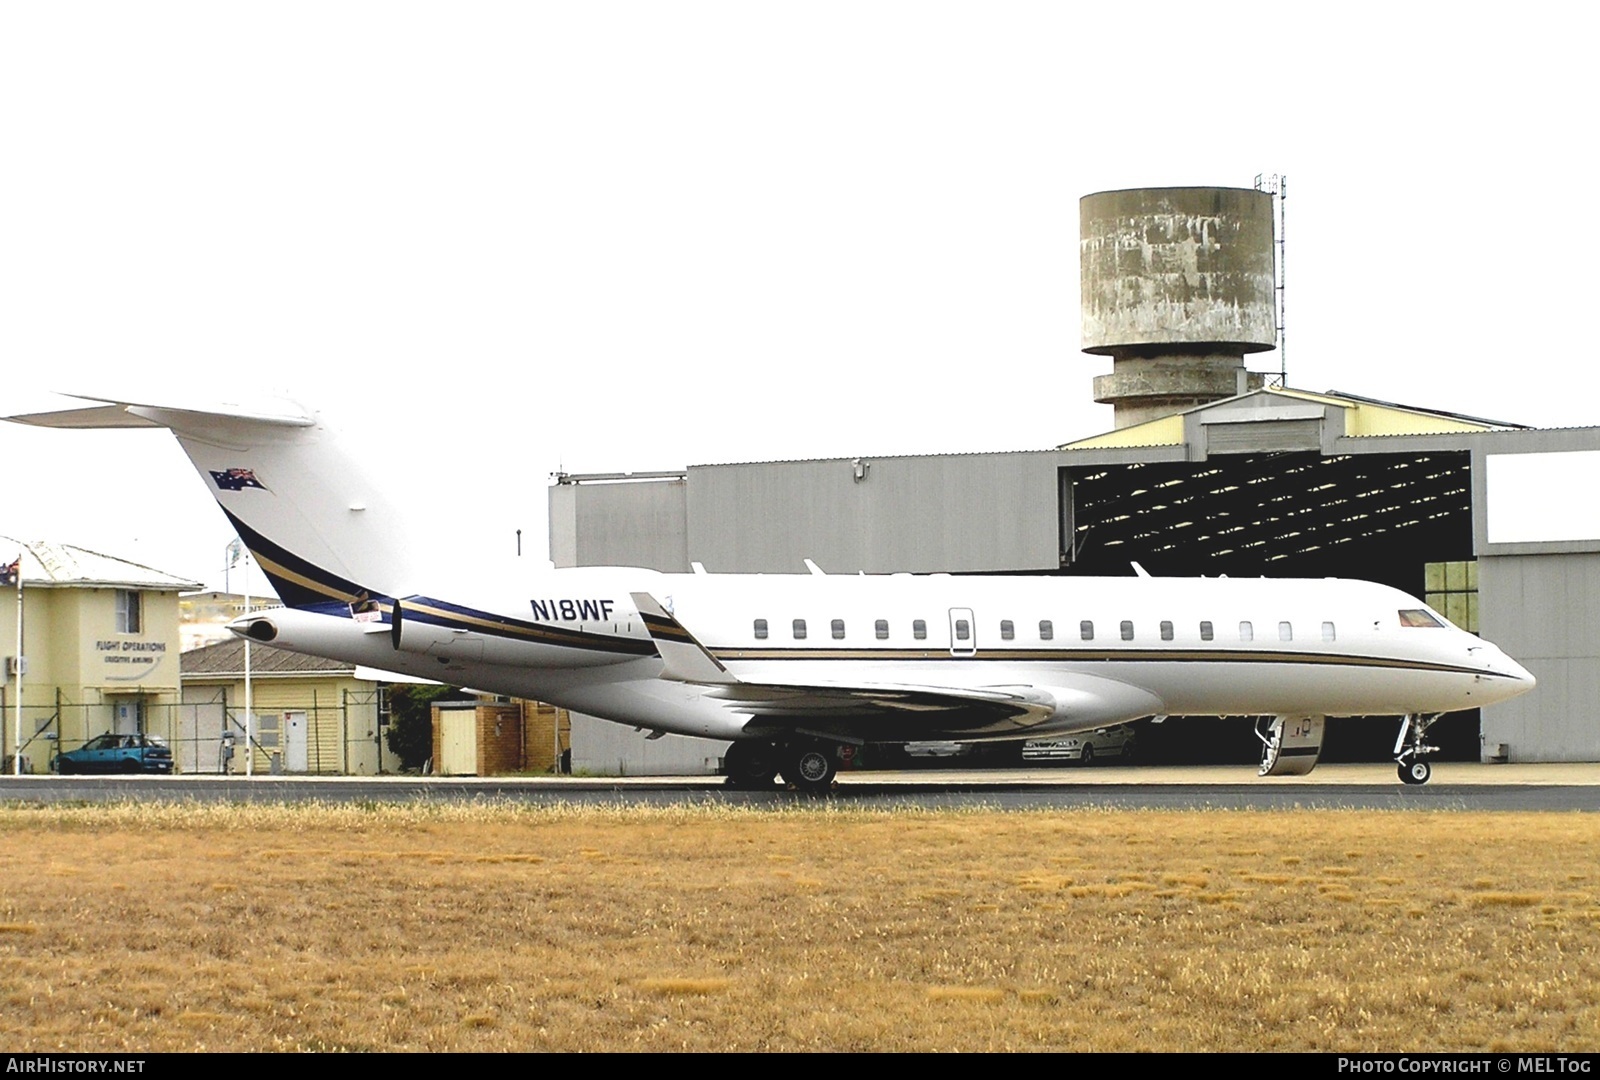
227 658
47 565
1404 420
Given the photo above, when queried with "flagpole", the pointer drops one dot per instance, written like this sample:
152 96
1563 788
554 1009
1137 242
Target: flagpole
16 754
249 742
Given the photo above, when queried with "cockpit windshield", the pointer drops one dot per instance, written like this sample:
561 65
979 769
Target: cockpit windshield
1418 617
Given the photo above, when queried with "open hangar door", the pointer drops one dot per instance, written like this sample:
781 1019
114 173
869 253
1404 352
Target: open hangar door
1395 518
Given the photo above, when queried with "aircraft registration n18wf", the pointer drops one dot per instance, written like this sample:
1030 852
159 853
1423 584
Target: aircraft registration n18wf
794 669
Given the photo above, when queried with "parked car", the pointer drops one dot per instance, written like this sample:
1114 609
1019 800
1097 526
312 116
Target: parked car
938 749
113 753
1084 746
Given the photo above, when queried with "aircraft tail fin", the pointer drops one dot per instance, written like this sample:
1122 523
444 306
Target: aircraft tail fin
297 498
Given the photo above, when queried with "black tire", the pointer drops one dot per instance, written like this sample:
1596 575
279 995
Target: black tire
750 764
1415 772
810 767
128 765
65 767
1087 757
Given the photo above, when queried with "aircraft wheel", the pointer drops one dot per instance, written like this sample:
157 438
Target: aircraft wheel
810 767
750 764
1415 772
1088 755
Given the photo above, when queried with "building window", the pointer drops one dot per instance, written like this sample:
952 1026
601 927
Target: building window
1246 632
1206 631
761 629
919 629
1285 632
1047 630
1008 630
1086 630
838 629
130 616
1166 630
799 629
1451 589
881 628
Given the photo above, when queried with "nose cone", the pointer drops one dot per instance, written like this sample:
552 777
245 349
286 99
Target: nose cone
1523 676
1510 678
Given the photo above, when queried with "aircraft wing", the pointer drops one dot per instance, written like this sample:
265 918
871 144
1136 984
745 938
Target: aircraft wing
892 710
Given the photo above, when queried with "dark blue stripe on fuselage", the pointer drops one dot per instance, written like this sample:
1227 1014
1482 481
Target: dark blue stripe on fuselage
311 588
460 617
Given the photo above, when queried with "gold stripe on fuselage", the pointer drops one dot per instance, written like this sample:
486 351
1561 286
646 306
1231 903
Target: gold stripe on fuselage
1098 656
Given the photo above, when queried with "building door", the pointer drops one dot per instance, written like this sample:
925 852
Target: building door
127 715
296 758
963 632
201 720
458 742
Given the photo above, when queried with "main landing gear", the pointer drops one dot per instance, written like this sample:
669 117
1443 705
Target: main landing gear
806 765
1411 749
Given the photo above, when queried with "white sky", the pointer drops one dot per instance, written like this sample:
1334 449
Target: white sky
515 237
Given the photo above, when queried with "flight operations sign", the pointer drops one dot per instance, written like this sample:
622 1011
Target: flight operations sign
129 661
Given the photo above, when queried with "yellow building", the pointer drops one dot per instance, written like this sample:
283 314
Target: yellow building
100 648
311 715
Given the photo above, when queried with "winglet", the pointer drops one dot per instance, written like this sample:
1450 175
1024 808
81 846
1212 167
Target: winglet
685 659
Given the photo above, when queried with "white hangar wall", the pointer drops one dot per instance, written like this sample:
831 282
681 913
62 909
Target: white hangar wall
627 523
954 513
1537 533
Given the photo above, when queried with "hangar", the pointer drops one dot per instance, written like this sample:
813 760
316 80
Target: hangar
1209 471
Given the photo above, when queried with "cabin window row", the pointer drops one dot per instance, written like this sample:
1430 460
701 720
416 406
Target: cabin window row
1047 630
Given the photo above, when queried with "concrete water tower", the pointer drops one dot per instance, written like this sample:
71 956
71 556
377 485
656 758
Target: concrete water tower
1178 285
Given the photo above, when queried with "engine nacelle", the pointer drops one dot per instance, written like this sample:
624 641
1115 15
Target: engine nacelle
1290 745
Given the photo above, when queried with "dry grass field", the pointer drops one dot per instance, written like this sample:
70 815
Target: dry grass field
500 928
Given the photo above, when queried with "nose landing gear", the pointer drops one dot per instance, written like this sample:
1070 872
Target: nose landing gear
1411 749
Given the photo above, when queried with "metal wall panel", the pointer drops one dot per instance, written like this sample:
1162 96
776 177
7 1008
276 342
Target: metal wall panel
940 513
1544 610
602 748
1264 436
642 523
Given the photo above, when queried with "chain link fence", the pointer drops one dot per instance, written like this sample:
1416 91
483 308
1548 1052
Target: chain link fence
327 735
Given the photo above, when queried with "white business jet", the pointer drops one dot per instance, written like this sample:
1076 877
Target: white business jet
798 670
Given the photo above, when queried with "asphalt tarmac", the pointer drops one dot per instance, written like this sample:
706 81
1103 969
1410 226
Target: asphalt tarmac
1456 786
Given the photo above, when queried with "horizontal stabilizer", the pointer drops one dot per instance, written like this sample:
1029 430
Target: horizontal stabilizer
179 413
293 488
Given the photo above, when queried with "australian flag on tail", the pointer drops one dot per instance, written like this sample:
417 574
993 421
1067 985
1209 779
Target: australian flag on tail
236 479
11 573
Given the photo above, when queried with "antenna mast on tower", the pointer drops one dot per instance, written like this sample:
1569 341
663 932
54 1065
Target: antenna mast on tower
1278 187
